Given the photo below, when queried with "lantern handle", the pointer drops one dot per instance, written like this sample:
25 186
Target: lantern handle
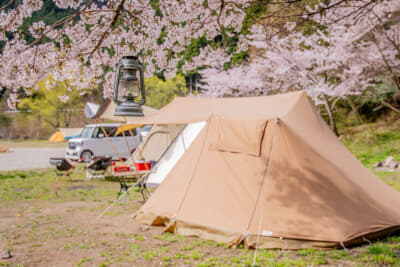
116 84
142 89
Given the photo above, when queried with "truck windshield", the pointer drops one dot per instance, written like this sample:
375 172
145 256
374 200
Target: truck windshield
87 132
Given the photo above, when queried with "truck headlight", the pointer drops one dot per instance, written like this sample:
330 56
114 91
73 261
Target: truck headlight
80 143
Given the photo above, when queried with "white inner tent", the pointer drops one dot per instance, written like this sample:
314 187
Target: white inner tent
174 153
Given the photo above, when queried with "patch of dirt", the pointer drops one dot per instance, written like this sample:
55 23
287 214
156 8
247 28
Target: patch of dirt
62 234
72 233
22 189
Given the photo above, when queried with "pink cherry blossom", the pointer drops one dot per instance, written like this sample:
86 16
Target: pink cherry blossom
356 46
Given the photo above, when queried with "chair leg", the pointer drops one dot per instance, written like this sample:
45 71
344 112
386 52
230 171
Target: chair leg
124 187
147 192
123 201
143 195
120 190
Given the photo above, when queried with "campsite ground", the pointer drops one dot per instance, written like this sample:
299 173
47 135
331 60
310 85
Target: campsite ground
44 228
31 143
29 154
25 158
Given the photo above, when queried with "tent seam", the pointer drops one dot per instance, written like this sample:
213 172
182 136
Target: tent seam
259 192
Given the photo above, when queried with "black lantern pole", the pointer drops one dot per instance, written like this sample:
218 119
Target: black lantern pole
128 87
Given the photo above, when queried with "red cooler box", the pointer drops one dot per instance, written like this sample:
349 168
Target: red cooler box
142 166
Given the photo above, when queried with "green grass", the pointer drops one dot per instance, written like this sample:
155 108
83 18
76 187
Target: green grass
168 237
381 254
46 185
373 142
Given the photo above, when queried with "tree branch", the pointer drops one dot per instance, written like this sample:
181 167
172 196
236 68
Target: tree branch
7 5
390 106
114 20
59 22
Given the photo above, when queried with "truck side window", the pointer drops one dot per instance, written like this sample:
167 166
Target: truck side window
99 133
110 131
96 132
133 132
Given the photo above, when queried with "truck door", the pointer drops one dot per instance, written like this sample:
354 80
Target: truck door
126 144
104 145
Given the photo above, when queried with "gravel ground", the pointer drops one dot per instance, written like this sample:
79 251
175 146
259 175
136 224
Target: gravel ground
24 158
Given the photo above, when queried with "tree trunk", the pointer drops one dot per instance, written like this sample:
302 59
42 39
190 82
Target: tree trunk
354 108
68 116
58 123
331 119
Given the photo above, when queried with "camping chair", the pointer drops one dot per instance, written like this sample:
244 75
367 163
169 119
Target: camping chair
62 165
98 166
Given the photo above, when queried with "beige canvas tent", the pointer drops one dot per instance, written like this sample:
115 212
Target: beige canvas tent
268 167
157 141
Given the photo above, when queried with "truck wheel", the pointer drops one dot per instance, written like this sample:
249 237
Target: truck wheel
86 156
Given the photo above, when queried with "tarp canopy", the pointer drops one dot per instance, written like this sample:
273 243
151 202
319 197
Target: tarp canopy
91 110
109 114
268 167
126 127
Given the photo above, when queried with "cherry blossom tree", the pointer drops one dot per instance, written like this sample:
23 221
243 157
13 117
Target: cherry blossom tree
346 51
83 47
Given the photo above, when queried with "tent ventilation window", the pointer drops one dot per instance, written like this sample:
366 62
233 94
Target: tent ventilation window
237 136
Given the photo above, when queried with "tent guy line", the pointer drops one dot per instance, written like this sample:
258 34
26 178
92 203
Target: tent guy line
265 181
